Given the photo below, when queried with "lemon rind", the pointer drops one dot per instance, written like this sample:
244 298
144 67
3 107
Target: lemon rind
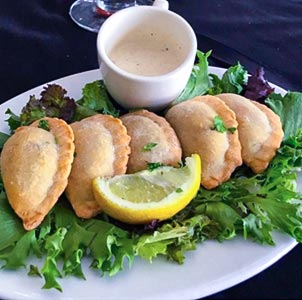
136 213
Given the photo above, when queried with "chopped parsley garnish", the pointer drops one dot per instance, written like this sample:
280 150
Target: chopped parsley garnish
179 190
218 124
153 166
220 127
43 124
232 129
148 147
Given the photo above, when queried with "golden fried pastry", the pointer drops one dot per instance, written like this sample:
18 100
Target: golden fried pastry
152 140
101 149
260 130
218 146
35 165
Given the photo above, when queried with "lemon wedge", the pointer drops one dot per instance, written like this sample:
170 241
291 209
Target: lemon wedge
144 196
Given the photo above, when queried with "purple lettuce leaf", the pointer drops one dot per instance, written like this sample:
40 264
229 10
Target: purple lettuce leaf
257 87
52 103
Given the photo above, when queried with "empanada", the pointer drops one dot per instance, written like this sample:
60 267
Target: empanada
153 140
35 165
219 150
101 149
260 130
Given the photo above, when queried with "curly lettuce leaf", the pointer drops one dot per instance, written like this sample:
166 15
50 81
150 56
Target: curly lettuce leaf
63 235
150 246
174 237
77 239
54 247
232 81
199 82
56 103
32 111
224 216
288 107
95 100
110 248
251 205
13 121
255 229
3 138
52 103
264 202
12 228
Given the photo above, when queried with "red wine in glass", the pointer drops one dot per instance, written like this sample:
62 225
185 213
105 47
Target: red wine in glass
91 14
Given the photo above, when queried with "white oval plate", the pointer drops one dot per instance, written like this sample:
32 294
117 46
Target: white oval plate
211 268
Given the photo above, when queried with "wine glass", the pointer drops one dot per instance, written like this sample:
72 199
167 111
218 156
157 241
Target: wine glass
91 14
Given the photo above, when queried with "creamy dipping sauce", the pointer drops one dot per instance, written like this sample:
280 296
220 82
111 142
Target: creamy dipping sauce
147 53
